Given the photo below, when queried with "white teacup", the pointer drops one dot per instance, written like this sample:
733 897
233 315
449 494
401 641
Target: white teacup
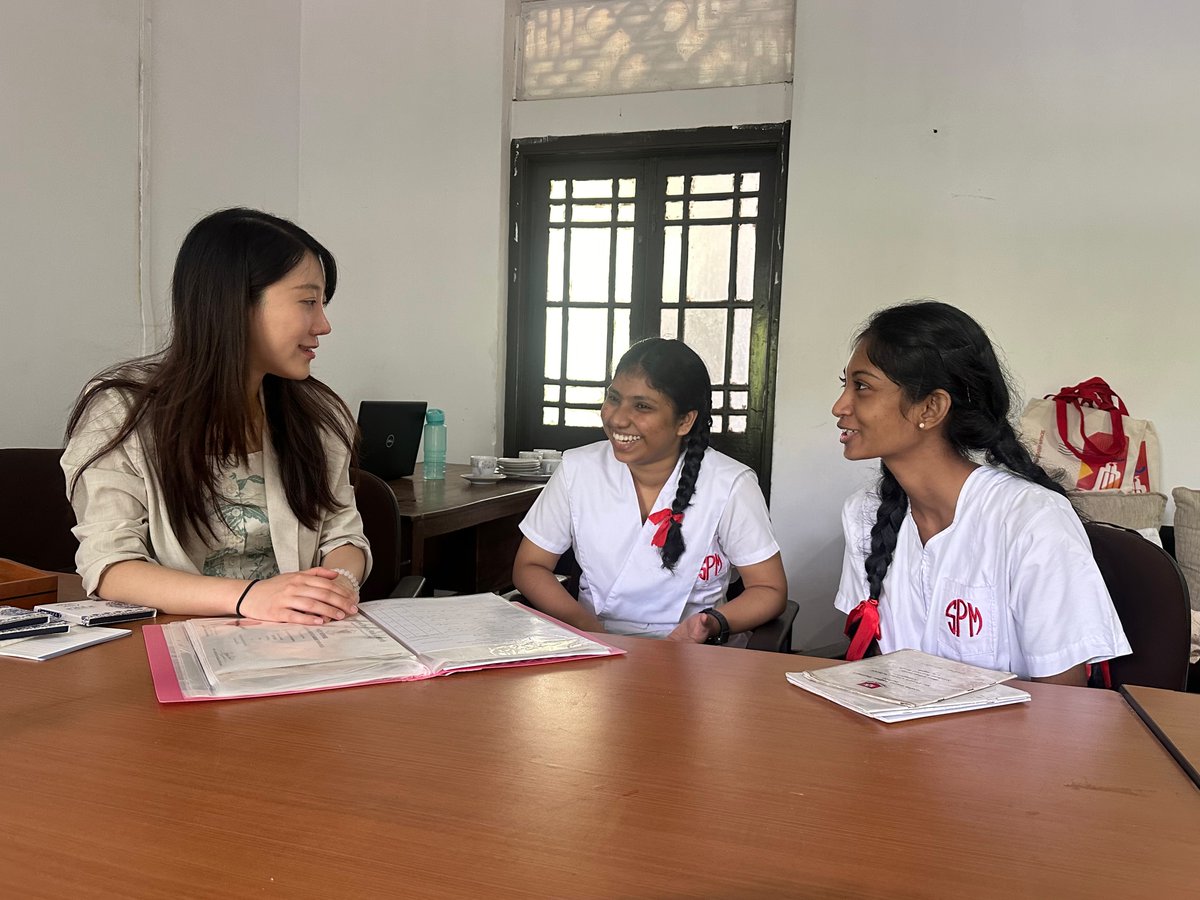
530 454
483 465
549 465
549 454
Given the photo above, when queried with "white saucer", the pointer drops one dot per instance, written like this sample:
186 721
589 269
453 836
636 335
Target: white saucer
532 476
484 479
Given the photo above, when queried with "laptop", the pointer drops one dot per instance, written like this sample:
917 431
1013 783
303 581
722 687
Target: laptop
391 434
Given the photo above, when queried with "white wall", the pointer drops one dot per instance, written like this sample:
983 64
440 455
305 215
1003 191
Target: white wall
404 151
1057 200
69 300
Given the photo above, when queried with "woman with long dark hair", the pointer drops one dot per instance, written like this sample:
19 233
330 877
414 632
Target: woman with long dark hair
656 517
984 563
212 478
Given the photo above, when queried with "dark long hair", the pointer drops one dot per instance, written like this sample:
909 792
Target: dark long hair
926 346
675 370
188 401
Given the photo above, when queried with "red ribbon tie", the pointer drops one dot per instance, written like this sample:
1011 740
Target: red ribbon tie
866 615
663 519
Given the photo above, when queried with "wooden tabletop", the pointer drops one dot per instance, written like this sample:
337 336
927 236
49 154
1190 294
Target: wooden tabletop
675 771
1174 718
453 502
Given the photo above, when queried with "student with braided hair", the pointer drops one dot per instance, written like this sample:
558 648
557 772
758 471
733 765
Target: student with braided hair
656 517
984 563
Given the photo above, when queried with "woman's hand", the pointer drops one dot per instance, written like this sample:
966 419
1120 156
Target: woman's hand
312 597
696 628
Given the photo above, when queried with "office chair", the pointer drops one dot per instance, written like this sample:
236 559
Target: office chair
1151 599
35 527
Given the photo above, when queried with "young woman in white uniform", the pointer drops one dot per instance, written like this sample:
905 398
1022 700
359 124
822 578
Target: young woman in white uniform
987 564
213 478
656 517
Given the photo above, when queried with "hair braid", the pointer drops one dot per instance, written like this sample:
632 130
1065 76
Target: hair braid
1008 451
694 446
893 505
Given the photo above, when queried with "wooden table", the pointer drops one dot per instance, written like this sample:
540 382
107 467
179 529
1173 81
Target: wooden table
1174 718
462 537
675 771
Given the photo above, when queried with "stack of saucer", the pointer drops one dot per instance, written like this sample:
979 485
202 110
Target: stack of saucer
513 467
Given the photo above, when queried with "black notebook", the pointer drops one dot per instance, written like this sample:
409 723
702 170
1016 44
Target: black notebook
391 433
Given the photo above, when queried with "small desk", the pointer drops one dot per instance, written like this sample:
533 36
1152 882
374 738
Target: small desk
675 771
462 537
1174 717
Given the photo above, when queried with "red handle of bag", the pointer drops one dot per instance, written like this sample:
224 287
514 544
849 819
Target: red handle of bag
1096 394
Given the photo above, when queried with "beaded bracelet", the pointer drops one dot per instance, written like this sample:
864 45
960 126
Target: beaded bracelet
350 577
237 610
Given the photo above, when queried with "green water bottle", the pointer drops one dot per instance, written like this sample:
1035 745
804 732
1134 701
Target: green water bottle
434 467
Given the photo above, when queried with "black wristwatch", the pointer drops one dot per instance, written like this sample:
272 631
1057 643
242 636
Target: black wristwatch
722 636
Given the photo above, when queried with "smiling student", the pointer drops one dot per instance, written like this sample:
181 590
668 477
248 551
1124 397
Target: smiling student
987 564
212 478
656 517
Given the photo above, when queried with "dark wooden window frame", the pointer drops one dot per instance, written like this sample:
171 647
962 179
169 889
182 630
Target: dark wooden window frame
615 147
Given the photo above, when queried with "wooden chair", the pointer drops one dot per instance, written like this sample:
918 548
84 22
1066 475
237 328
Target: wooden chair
35 528
1151 599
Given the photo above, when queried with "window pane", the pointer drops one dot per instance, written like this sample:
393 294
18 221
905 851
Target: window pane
747 235
558 212
558 189
669 326
704 332
672 239
591 212
589 265
587 345
749 208
708 262
627 187
624 280
551 393
582 418
710 209
750 181
554 343
712 184
739 371
625 212
674 185
718 399
738 399
674 210
737 424
716 425
589 189
549 415
554 266
620 336
585 395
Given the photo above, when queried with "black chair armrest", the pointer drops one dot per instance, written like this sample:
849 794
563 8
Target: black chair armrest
411 586
776 636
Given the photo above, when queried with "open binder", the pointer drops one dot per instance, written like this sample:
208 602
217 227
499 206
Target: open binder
391 640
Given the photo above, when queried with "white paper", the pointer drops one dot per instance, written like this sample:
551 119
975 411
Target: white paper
907 678
40 648
475 629
885 711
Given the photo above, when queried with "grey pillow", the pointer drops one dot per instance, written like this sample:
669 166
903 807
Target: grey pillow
1187 539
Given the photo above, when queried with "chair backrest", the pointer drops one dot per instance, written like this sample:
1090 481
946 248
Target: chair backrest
1151 598
35 516
381 524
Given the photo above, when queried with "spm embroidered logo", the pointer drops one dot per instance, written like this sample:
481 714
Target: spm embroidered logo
711 567
870 684
960 611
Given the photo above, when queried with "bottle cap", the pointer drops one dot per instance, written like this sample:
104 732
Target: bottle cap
435 417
